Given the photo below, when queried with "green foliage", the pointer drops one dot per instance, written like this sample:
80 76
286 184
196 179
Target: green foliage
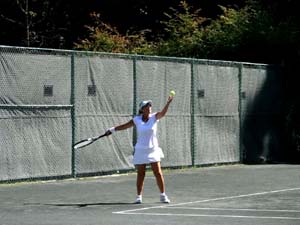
249 34
228 37
102 37
183 32
226 32
105 38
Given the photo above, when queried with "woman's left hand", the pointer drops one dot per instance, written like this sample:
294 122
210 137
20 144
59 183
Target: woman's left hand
170 99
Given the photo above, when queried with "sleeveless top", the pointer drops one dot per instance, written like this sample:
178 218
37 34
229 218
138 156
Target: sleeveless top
147 149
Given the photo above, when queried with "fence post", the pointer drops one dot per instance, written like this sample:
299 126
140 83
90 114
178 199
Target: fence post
240 114
134 109
192 115
72 101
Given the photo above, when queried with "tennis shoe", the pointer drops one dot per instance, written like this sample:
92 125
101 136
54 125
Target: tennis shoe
164 199
138 200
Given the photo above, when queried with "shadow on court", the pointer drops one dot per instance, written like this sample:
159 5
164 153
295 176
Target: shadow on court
233 194
80 205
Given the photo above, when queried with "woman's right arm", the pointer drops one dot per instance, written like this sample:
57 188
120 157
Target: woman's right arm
120 127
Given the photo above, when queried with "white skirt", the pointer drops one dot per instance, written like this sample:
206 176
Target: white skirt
147 155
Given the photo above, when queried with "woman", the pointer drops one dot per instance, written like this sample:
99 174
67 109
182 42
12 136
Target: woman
147 150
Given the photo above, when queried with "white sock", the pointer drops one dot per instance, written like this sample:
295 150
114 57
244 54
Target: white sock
163 194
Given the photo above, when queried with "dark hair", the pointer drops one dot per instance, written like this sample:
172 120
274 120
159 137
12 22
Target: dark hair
141 109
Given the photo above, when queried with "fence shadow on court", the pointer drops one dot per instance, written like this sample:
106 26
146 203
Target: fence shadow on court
80 205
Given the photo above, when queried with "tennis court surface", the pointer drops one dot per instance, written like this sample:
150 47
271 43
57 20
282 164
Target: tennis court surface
231 194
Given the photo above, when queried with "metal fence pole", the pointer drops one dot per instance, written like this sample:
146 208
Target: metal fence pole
192 115
72 101
240 114
134 110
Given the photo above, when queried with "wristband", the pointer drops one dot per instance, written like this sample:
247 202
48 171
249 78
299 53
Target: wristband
112 129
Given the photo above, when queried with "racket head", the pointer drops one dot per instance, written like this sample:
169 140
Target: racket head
87 142
83 143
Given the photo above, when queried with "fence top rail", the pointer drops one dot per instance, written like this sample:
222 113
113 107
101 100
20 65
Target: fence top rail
32 50
6 106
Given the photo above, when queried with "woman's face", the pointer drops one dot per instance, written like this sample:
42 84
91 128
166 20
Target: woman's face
147 108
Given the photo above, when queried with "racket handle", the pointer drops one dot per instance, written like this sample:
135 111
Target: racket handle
108 132
103 135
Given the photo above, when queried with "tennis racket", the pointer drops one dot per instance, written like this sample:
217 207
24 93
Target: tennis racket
88 141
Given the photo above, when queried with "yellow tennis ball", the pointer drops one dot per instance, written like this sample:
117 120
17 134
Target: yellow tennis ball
172 93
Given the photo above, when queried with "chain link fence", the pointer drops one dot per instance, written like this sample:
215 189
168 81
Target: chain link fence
223 112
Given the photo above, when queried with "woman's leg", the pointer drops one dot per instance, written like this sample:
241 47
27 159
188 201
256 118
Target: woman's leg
156 168
141 171
160 181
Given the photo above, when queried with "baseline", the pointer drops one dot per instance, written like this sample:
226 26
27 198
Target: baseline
139 211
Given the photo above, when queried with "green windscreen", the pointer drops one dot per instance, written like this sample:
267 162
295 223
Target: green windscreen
223 112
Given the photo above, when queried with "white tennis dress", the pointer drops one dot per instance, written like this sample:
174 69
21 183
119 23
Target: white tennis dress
147 149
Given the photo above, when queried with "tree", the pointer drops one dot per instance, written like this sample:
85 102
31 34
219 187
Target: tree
180 37
183 32
235 34
103 37
26 21
37 23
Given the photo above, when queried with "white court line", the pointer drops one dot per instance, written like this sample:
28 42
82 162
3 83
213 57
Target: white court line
211 215
237 209
135 211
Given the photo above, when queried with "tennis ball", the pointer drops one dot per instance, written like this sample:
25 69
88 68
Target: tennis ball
172 93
